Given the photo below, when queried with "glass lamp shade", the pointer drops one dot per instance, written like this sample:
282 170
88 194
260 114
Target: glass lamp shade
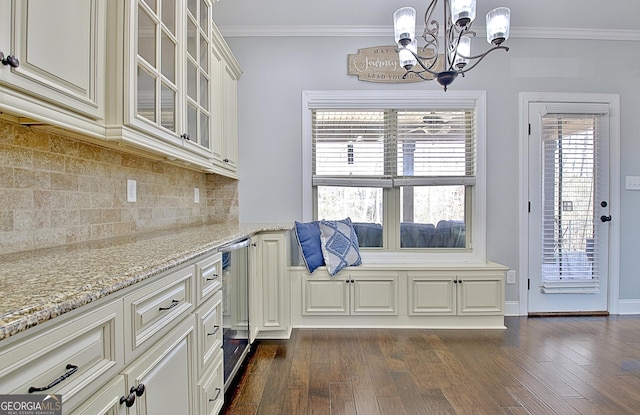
408 59
463 12
404 25
498 22
463 51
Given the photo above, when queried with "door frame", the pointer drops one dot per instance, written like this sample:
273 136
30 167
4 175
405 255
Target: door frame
613 100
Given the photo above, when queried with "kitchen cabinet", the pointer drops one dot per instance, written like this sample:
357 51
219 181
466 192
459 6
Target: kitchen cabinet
59 75
370 293
169 95
107 401
73 357
225 144
456 293
211 389
167 373
271 287
435 296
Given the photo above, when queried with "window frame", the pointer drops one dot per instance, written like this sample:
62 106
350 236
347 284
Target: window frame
404 99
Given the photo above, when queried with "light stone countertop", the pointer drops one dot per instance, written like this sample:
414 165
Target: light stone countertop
36 286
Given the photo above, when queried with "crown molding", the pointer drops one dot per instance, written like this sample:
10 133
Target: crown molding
387 31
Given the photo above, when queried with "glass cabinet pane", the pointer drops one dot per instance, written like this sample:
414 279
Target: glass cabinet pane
146 37
204 53
204 16
192 81
204 92
192 39
204 130
168 57
168 107
169 15
152 4
146 95
192 121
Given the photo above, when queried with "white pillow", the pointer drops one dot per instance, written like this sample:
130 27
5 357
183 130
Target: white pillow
339 244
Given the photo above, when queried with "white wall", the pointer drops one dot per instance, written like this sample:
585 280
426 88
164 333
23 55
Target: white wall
277 69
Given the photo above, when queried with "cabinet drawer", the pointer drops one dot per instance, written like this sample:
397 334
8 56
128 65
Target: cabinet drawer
208 276
211 389
209 332
154 309
72 358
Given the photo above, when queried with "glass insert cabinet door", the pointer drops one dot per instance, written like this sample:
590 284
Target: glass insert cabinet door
173 69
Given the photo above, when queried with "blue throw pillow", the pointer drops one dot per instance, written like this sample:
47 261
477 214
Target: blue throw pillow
339 245
308 236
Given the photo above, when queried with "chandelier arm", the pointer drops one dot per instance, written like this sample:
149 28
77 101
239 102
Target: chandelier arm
480 58
418 74
425 68
431 27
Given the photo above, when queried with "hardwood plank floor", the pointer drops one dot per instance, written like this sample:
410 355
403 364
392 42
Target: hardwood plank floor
551 365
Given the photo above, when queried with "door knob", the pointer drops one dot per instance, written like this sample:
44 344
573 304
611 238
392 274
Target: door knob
605 218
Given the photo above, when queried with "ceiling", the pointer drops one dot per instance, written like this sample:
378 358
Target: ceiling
537 18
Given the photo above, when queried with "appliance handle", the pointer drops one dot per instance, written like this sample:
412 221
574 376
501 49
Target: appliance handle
236 245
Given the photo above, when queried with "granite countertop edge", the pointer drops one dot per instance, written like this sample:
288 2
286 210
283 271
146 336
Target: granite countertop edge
40 285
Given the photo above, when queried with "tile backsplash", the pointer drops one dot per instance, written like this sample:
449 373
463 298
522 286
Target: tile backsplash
55 190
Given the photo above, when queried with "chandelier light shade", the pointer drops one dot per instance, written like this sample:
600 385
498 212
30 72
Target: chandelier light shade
444 65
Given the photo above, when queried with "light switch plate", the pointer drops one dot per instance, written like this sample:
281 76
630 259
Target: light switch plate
131 190
632 183
196 195
511 276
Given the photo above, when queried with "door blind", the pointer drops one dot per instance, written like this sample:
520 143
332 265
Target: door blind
569 232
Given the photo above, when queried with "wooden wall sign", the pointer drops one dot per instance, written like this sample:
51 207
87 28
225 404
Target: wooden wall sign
379 64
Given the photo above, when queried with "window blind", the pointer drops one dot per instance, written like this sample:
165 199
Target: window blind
569 232
393 147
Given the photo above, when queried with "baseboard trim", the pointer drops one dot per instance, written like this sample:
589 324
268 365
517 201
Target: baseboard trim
571 314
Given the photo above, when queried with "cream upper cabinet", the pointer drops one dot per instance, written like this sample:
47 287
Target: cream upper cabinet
54 60
225 142
168 96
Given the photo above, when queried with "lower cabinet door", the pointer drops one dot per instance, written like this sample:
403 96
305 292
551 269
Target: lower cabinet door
211 389
107 401
167 373
325 297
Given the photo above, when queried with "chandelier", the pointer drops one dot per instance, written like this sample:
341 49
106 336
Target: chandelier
456 59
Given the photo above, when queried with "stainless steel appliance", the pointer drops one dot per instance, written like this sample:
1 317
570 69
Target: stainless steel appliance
235 306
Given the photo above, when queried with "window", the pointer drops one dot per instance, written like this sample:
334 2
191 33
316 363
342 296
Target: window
405 166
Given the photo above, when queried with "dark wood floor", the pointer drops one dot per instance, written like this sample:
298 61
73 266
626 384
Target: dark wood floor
579 365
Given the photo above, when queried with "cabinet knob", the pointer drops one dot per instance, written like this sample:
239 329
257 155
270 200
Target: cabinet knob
9 60
139 390
130 399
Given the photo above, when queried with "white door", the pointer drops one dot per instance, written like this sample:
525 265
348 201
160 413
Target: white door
569 206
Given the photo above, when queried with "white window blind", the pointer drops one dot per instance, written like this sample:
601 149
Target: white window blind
435 148
569 232
393 147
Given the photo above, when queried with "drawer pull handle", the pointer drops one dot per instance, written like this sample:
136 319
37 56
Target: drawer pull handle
215 277
131 398
217 395
215 330
71 370
173 304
